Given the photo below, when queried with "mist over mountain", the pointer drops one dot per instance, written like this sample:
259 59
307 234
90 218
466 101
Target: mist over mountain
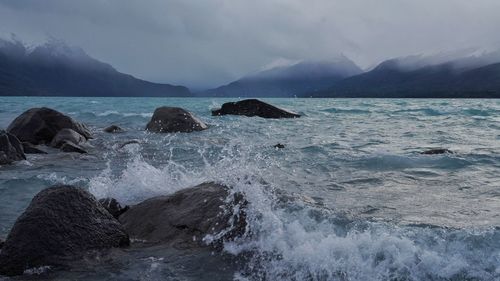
417 77
289 81
55 69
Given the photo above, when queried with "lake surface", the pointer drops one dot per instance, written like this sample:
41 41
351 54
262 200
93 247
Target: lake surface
350 197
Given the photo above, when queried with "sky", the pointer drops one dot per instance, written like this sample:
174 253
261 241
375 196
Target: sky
206 43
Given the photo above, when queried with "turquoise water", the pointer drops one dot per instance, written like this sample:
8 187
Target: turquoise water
350 197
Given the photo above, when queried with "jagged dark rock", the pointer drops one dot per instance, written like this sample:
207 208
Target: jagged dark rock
61 224
71 147
253 107
11 149
113 129
67 136
436 151
174 119
185 217
113 206
32 149
40 125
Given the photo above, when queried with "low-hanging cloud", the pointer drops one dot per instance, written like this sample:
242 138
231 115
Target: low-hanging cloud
206 43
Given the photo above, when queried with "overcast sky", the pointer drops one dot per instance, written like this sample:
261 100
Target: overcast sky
202 43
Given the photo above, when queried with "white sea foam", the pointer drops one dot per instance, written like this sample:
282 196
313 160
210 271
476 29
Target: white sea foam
299 242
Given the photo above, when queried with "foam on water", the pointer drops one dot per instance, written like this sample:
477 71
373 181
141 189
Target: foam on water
348 198
289 238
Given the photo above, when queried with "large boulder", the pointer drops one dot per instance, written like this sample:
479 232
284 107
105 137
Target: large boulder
67 136
11 149
113 206
253 107
40 125
174 119
182 219
61 224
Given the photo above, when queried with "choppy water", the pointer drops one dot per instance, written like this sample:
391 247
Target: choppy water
349 198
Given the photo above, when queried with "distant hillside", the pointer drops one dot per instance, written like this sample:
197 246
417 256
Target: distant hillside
289 81
55 69
464 78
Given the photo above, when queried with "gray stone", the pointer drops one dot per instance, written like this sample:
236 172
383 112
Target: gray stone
11 149
67 136
174 119
182 219
71 147
32 149
61 224
113 206
253 107
436 151
40 125
113 129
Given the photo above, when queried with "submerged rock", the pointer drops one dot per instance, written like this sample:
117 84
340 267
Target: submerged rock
71 147
40 125
174 119
185 217
436 151
113 129
113 206
253 107
11 149
128 142
61 224
279 146
32 149
67 136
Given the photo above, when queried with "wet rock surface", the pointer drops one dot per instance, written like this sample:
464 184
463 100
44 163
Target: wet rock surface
436 151
32 149
61 224
67 136
113 129
40 125
185 217
174 119
113 206
11 149
253 107
71 147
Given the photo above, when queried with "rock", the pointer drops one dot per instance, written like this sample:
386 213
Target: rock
40 125
11 149
113 206
67 136
174 119
253 107
113 129
185 217
127 143
71 147
436 151
1 243
279 146
31 149
61 224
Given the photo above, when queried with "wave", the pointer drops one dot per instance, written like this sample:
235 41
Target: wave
296 240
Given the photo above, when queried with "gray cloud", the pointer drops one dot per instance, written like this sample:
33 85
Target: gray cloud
203 43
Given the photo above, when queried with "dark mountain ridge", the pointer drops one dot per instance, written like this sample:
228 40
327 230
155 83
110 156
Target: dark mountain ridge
455 79
54 69
289 81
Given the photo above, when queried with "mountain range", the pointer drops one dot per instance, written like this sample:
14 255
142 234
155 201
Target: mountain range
288 81
54 69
